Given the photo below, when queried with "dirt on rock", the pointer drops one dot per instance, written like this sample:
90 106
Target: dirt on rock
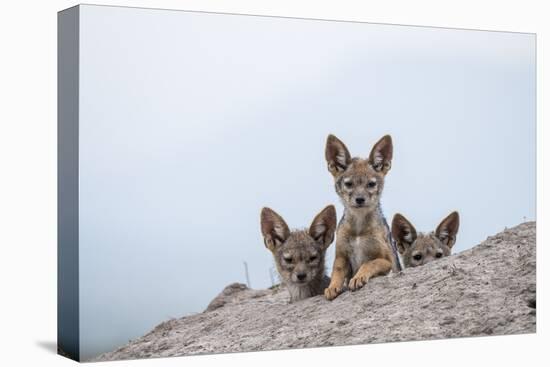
486 290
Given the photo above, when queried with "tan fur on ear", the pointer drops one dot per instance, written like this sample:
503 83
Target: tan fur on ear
403 232
448 228
337 155
381 154
274 229
323 226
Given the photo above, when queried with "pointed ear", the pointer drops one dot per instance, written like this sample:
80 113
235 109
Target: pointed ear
381 155
337 155
403 232
274 229
323 226
448 228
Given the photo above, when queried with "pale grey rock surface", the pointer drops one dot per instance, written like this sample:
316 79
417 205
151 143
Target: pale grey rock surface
486 290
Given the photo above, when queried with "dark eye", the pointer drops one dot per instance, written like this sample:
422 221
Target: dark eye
438 255
312 258
288 260
348 184
371 184
417 257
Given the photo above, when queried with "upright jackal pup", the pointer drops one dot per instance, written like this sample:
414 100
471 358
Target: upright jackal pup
363 248
300 254
419 249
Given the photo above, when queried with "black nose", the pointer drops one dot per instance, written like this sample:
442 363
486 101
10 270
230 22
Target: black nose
360 201
301 276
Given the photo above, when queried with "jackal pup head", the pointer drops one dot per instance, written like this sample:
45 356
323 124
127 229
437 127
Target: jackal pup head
419 249
359 182
300 254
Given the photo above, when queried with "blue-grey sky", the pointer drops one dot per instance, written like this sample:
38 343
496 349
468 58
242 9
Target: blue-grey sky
190 123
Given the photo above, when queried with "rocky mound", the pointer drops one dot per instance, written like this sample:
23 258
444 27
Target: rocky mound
486 290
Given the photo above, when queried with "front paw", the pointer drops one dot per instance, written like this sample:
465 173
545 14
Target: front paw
357 282
332 292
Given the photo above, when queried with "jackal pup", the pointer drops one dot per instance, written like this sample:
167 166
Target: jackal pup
363 248
300 254
419 249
